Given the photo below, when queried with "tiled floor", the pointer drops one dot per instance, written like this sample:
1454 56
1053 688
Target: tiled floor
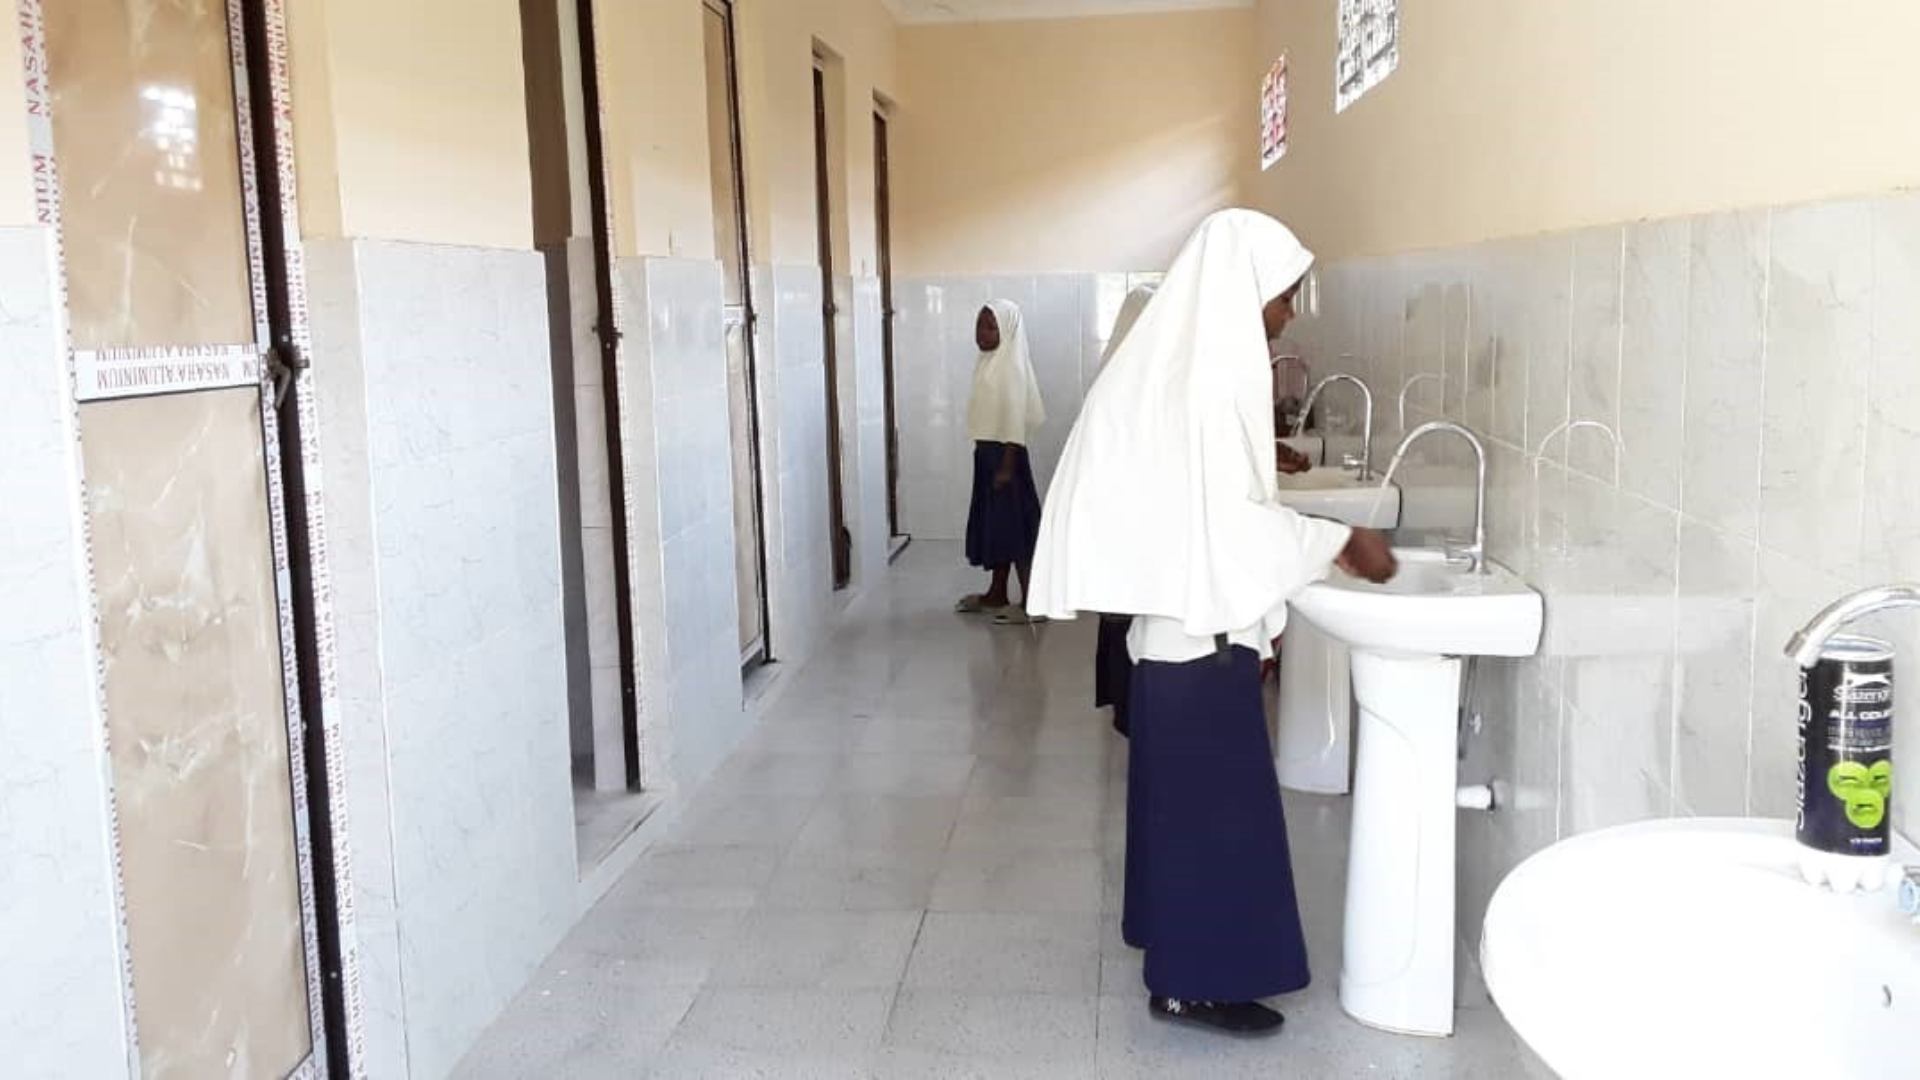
911 871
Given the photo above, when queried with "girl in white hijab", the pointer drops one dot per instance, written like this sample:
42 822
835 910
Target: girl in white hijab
1165 508
1003 519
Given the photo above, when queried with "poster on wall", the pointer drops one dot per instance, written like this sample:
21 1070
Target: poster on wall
1368 48
1273 114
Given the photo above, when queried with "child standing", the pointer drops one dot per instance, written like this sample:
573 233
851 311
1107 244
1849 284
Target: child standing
1003 518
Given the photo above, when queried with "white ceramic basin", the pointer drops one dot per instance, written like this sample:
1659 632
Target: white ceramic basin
1430 608
1691 948
1406 638
1340 495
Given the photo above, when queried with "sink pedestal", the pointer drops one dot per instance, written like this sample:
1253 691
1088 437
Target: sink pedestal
1397 972
1313 752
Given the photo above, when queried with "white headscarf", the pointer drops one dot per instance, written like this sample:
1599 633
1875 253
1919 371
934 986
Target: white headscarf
1005 406
1130 309
1165 500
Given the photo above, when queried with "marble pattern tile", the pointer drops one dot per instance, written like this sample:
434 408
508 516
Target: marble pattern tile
458 751
190 643
1653 358
1594 391
153 227
1726 324
1818 334
57 905
1759 366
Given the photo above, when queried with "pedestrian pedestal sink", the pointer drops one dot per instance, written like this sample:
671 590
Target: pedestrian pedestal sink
1312 750
1691 948
1408 639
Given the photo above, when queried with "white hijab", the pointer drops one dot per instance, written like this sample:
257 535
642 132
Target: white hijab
1165 502
1130 309
1005 406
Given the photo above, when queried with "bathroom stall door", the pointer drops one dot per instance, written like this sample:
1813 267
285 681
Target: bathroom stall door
883 213
142 121
731 242
842 537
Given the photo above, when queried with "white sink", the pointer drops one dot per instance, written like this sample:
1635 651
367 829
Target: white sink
1430 608
1338 494
1406 639
1691 948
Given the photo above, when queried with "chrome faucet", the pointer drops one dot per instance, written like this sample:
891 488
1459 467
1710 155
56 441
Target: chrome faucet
1365 464
1804 647
1476 553
1409 385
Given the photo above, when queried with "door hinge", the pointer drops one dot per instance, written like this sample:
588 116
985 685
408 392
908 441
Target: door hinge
285 362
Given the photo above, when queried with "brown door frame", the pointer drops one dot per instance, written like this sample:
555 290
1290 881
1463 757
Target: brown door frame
840 538
606 329
744 228
883 214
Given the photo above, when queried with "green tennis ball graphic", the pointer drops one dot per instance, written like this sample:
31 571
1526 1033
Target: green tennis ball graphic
1882 778
1864 789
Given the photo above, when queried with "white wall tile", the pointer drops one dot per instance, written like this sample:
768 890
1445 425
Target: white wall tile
1726 320
1594 383
1715 662
461 727
56 876
1546 269
1653 358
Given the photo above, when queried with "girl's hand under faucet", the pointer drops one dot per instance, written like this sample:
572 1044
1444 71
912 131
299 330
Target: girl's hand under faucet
1368 555
1292 461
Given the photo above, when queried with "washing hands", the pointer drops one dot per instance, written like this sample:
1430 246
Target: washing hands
1368 555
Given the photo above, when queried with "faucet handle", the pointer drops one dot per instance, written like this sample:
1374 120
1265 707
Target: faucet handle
1910 892
1353 461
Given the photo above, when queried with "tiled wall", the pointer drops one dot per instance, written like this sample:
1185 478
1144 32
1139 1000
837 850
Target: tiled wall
437 428
1068 317
57 911
793 407
1762 372
680 495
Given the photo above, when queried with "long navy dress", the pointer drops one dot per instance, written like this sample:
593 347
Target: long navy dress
1209 877
1003 523
1113 669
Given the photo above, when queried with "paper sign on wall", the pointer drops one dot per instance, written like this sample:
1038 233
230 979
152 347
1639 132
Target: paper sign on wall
1368 49
1273 114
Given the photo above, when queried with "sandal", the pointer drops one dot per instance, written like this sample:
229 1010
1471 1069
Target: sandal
976 604
1014 616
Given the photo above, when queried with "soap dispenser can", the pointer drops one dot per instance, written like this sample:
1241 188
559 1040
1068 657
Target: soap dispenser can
1843 817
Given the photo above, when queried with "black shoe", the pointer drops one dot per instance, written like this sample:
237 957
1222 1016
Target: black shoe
1244 1019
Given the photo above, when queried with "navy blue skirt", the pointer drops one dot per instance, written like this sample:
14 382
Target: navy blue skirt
1209 878
1113 669
1003 523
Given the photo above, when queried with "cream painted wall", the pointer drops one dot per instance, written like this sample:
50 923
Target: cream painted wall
16 177
777 45
1513 118
410 121
655 94
653 99
1071 144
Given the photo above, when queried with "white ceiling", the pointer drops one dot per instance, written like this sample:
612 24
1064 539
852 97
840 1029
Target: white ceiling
946 11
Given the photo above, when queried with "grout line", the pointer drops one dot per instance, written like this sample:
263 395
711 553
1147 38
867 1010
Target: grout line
1760 479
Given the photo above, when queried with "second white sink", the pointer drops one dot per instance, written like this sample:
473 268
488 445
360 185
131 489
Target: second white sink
1341 496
